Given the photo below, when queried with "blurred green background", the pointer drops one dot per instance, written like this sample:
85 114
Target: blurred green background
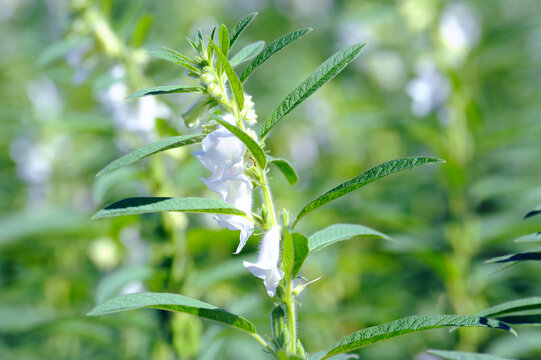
455 79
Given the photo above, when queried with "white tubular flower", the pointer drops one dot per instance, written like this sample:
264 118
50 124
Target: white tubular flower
267 265
223 155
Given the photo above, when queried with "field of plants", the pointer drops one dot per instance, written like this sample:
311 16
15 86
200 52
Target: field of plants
270 179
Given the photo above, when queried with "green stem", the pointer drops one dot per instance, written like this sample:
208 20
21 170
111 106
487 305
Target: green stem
291 320
267 199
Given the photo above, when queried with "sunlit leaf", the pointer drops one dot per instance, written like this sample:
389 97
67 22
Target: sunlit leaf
239 27
325 72
461 355
286 168
294 253
408 325
224 40
272 49
370 175
166 89
340 232
150 149
247 53
534 237
234 82
172 302
143 205
173 57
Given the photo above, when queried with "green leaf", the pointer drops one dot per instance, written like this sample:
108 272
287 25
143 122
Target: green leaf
247 53
320 354
339 232
535 237
526 256
234 82
239 28
294 252
408 325
532 303
272 49
370 175
252 145
173 57
166 89
325 72
224 40
288 256
143 205
150 149
300 246
286 168
112 283
534 212
461 355
172 302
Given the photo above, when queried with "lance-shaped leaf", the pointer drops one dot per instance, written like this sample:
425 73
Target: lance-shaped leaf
510 307
247 53
461 355
224 40
272 49
408 325
251 144
534 212
534 237
172 302
173 57
150 149
239 28
370 175
234 82
166 89
340 232
294 253
143 205
286 168
325 72
525 256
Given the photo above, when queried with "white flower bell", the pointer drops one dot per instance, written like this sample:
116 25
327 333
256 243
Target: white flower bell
267 265
223 155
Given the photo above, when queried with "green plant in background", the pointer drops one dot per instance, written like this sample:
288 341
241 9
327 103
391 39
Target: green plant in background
239 164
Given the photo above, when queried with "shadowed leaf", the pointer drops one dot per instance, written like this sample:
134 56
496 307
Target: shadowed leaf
143 205
526 256
150 149
166 89
172 302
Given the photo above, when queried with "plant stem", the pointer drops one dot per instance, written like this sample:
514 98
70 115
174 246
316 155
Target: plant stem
291 320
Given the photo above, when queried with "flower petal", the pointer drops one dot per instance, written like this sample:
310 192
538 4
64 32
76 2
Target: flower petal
267 265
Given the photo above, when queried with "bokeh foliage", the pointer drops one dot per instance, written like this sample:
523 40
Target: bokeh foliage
66 68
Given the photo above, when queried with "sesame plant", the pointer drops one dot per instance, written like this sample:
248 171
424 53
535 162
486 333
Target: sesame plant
224 123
